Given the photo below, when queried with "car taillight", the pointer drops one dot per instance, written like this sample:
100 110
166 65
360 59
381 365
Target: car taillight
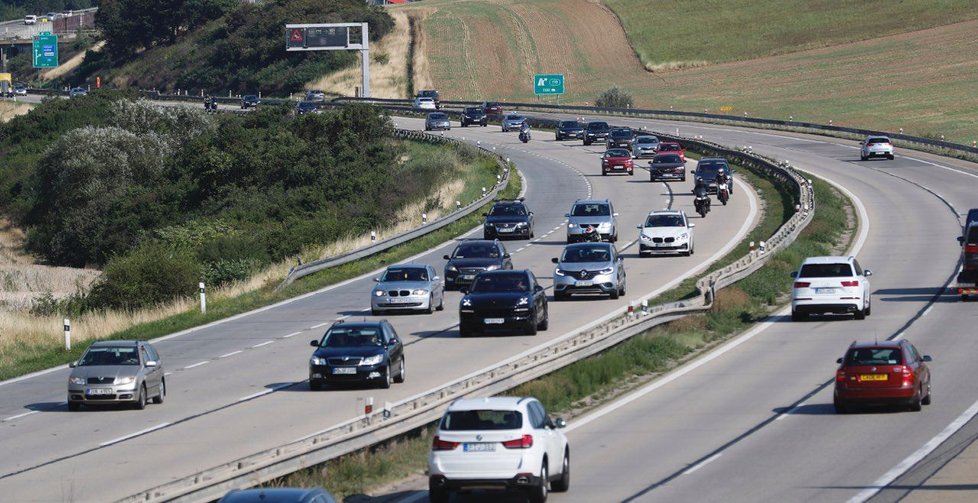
969 248
524 442
802 284
840 375
438 444
850 283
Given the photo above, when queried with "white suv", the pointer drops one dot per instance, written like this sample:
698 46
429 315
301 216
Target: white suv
830 285
666 231
503 442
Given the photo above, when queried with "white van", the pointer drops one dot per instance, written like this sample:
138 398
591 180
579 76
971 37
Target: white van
30 19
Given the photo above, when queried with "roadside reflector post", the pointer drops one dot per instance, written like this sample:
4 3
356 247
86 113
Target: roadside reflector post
424 219
458 205
387 410
645 307
373 236
67 334
203 298
631 311
752 247
368 406
763 247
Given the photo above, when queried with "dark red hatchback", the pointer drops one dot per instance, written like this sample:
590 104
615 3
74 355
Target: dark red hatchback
881 373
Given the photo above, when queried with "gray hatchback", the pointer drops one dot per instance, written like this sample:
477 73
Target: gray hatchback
111 372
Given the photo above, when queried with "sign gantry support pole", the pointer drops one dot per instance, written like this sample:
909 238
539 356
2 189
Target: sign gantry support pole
332 37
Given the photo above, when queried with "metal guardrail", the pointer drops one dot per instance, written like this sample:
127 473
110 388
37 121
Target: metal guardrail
501 183
426 407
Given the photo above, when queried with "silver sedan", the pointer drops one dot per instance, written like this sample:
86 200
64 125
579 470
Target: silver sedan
407 287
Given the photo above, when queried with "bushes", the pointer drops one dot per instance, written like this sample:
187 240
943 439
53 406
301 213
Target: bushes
615 98
150 275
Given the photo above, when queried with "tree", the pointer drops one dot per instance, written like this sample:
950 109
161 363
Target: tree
615 98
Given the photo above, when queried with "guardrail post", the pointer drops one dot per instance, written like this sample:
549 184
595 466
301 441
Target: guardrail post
203 298
67 334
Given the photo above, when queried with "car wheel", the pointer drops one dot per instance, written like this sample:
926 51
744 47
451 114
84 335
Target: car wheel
74 406
631 172
431 304
545 322
915 402
587 142
683 179
315 385
614 238
539 494
614 294
560 296
926 399
141 399
869 306
401 371
862 158
604 173
531 328
890 157
386 383
840 406
796 316
375 312
859 314
563 483
441 303
158 399
438 495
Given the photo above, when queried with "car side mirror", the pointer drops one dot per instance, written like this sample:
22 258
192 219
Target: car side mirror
314 343
485 214
72 365
377 280
436 278
531 213
926 358
566 215
560 423
446 257
961 240
691 225
463 290
506 255
838 360
152 363
867 273
639 227
537 288
555 260
615 214
794 274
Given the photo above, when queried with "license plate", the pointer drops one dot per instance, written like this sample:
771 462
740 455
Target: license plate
468 276
505 229
824 290
400 300
344 370
480 447
494 321
99 391
874 377
583 283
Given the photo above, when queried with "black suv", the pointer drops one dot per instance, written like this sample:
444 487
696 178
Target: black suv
596 131
366 351
503 301
473 256
969 258
430 93
250 101
707 169
621 137
569 129
473 115
508 218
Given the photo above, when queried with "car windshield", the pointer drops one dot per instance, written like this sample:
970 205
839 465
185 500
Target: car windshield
405 274
621 133
251 97
569 124
514 117
591 210
664 221
593 253
473 110
662 159
476 250
617 152
503 210
875 356
505 282
466 420
307 104
825 270
346 337
598 125
109 355
428 94
438 116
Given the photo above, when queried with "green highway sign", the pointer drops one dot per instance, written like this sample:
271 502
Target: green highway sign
548 84
45 50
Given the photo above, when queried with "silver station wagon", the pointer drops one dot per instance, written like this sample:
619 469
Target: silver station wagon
112 372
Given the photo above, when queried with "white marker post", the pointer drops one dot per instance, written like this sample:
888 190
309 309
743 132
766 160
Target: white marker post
203 298
67 334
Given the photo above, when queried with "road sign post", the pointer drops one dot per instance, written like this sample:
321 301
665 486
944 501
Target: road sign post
332 37
45 50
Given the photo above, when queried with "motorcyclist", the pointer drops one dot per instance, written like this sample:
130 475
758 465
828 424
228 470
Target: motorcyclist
701 195
723 189
525 130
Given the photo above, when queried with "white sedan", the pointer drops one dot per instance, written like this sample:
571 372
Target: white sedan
423 103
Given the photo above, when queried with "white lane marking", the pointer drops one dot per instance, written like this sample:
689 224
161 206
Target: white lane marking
167 373
790 411
138 433
293 334
926 311
18 416
914 458
195 365
703 463
262 344
863 214
323 324
265 392
232 353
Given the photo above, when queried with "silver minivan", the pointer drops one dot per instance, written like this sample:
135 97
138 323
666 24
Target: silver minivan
597 213
112 372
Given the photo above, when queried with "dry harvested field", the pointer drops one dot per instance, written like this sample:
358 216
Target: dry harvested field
922 81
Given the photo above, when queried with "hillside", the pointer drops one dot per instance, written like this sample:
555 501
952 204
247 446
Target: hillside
921 80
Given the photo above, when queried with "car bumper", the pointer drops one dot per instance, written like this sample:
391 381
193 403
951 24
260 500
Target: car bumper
604 284
506 232
566 135
825 306
496 321
365 373
876 395
410 303
115 394
439 127
663 248
878 153
516 482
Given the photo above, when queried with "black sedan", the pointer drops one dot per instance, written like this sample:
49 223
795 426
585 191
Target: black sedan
471 257
569 129
621 137
508 218
306 107
473 115
667 167
503 301
250 101
368 351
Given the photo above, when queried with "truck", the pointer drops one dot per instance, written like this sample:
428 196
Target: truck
6 85
967 281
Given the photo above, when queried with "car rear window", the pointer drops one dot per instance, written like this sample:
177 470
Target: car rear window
668 147
466 420
825 270
875 356
873 141
972 237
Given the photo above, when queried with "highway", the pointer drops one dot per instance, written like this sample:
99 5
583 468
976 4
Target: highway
239 387
753 420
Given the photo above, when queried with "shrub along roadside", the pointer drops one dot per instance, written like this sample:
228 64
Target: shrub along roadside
24 359
588 383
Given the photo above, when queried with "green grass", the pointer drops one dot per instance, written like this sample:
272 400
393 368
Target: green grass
26 359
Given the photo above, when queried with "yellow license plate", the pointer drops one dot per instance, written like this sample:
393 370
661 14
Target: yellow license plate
873 377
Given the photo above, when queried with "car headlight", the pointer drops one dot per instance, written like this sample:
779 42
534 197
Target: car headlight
451 268
607 270
684 235
76 380
492 267
378 293
419 291
315 360
489 225
560 272
523 301
125 380
372 360
571 226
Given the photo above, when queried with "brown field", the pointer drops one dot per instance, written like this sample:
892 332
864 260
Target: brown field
11 109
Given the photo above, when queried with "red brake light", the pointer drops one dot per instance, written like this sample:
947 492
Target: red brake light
969 248
524 442
438 444
907 374
840 375
850 283
802 284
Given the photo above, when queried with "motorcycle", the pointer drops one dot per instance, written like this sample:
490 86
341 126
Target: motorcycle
210 104
525 136
591 234
723 193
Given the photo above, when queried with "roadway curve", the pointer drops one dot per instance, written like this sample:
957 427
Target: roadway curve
753 420
238 387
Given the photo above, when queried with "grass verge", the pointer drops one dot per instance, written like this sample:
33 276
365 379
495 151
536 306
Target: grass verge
583 385
21 359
